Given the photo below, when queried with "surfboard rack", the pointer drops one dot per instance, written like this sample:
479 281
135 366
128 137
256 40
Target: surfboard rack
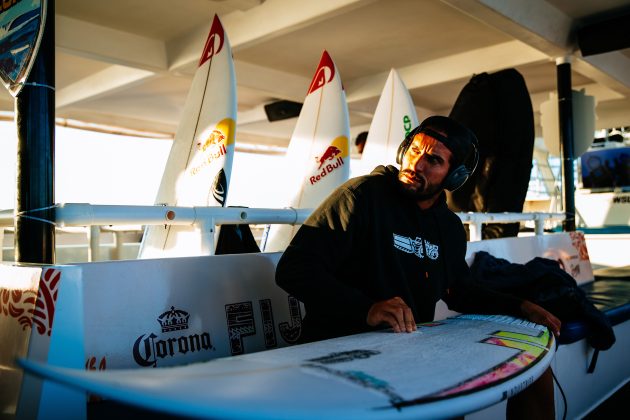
99 217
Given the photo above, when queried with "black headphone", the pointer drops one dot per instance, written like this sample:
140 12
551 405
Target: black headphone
459 175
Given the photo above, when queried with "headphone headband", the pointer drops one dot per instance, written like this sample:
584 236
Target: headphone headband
459 174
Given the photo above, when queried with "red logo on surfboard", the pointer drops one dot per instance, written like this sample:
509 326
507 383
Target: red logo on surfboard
326 168
329 154
212 148
215 40
216 137
324 74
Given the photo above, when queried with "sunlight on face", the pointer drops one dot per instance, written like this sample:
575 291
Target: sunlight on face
424 167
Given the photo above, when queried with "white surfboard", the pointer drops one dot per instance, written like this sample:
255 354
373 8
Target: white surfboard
198 169
318 158
444 369
394 118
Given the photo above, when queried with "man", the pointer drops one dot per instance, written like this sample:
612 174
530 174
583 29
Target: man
382 249
360 141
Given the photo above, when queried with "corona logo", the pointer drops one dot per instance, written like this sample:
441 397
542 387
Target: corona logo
174 320
149 348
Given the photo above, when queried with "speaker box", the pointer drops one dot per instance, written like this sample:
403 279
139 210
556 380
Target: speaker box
281 110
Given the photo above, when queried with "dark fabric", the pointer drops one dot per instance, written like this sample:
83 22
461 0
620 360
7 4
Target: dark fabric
611 296
497 108
236 239
368 242
543 282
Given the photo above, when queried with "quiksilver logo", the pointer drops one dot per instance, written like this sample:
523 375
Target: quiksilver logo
149 348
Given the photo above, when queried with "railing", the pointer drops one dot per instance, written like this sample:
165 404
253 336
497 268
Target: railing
97 218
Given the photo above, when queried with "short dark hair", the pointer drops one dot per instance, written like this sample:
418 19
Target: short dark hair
460 140
361 138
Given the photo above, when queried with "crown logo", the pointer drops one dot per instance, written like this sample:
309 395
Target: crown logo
173 320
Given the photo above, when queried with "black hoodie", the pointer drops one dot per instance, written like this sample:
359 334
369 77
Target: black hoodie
369 242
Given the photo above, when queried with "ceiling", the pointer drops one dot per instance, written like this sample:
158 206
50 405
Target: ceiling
129 64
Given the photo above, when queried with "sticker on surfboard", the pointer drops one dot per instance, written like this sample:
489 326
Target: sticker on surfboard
394 118
198 169
21 29
318 156
473 361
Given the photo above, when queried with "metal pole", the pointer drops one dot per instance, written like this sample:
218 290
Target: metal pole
565 118
35 119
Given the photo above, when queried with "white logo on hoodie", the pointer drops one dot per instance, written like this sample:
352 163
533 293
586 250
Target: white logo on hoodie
415 246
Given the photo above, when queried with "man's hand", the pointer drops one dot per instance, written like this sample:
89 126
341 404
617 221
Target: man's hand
393 312
537 314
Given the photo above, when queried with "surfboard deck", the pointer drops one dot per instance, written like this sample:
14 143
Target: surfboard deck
198 168
395 116
446 368
318 157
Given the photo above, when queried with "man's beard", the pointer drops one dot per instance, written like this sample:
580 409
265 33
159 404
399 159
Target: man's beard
420 190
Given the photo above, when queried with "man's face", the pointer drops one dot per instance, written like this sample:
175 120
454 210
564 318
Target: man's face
424 167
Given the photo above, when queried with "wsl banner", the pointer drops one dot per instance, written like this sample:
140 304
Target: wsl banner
200 162
21 29
394 118
318 158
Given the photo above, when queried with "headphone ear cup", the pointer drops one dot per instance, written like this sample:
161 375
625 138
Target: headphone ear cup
456 178
402 149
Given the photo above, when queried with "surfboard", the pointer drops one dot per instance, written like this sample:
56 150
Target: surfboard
444 369
318 158
395 116
198 168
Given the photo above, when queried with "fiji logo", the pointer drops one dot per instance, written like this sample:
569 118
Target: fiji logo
148 349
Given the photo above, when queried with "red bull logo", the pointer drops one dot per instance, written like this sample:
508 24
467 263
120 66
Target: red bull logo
215 138
326 168
329 154
324 74
213 147
215 41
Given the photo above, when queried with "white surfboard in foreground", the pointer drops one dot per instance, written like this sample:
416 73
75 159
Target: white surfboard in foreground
318 158
198 169
444 369
394 118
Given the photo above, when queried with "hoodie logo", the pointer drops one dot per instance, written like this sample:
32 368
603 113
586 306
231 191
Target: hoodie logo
416 246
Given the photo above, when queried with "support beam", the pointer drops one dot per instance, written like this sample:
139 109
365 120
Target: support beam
541 25
446 69
565 118
544 27
95 42
271 19
35 119
104 82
